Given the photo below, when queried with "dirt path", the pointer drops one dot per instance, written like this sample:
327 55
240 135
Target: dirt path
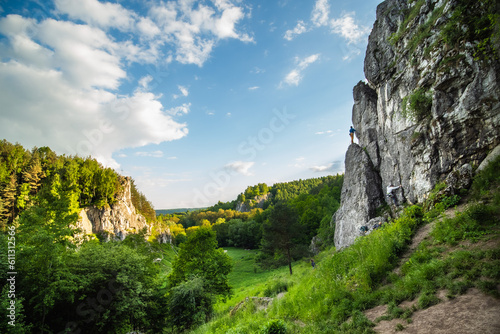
471 313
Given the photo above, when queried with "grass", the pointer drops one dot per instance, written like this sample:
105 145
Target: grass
247 279
332 297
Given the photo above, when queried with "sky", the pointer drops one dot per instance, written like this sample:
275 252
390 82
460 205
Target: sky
195 100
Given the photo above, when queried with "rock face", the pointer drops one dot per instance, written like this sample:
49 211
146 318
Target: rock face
362 184
258 202
116 221
457 122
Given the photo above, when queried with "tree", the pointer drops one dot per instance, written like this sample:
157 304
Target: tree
189 304
199 256
282 235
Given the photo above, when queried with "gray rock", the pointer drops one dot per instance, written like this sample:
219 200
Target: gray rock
458 126
361 195
116 221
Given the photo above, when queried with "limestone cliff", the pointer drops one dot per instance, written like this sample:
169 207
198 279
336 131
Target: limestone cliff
428 111
115 221
256 202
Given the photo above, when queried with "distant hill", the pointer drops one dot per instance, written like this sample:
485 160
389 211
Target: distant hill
171 211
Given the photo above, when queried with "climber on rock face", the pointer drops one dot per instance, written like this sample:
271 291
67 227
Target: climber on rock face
351 133
390 193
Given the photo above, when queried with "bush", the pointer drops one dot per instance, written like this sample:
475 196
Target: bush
418 105
274 327
427 300
189 304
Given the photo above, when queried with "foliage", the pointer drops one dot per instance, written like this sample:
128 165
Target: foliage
283 237
26 177
275 326
189 304
486 184
417 105
472 224
142 204
200 257
475 21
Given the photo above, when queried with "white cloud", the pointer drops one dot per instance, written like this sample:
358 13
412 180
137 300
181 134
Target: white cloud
253 88
60 77
347 28
319 15
295 76
184 92
195 28
104 15
300 28
144 81
153 154
179 110
148 28
324 132
321 168
240 167
57 89
333 167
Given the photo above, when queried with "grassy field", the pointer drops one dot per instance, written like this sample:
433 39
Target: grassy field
247 279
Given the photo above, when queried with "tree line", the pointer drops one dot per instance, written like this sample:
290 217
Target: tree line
297 210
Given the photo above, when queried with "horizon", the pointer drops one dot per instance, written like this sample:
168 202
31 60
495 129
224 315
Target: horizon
194 100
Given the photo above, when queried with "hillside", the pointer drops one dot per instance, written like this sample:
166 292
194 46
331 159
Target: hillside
435 269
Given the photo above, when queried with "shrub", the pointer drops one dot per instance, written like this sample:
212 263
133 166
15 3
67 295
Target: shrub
274 327
417 105
189 304
427 299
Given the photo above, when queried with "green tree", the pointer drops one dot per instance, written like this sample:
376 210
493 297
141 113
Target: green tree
283 236
189 304
199 256
9 193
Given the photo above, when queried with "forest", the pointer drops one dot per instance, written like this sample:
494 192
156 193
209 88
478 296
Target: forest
67 282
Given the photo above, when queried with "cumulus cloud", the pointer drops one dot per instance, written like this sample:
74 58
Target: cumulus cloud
319 15
104 15
57 87
294 77
347 28
300 28
60 78
240 167
194 30
333 167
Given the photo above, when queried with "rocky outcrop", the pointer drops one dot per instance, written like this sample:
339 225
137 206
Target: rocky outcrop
362 184
115 221
427 112
256 202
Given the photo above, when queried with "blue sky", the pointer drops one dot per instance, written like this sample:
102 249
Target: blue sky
196 100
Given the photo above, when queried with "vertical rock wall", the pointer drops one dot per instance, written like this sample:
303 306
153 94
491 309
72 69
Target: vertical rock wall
461 125
116 221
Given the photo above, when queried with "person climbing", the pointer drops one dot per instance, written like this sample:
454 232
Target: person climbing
351 133
390 193
313 264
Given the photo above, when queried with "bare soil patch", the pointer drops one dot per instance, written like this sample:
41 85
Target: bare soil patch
471 313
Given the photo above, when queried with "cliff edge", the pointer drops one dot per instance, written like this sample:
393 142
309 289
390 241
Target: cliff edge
115 221
428 111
